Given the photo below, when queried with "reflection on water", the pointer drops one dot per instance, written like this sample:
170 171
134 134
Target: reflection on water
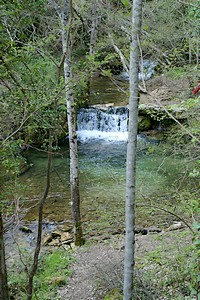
102 183
108 90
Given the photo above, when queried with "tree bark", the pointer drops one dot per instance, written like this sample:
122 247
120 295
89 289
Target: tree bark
71 117
131 152
40 218
4 295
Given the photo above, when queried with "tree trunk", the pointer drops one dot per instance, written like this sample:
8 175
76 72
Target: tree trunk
40 218
71 117
3 271
131 152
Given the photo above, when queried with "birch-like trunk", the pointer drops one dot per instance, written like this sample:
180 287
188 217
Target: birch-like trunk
131 152
71 118
3 272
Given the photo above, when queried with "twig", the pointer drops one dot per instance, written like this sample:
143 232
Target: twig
167 211
173 118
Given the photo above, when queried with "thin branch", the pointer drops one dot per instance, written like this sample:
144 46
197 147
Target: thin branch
167 211
189 4
13 76
4 83
122 57
24 120
173 118
125 62
56 7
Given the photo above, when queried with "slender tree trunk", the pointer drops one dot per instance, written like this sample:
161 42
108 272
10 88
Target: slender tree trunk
71 117
4 295
131 152
40 218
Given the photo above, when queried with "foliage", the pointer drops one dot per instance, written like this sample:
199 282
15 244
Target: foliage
178 23
53 271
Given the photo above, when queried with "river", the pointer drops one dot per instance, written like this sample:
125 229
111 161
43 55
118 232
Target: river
102 160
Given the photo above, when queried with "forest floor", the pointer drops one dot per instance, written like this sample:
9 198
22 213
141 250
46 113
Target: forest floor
98 269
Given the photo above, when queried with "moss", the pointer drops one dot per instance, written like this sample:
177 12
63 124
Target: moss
144 123
114 294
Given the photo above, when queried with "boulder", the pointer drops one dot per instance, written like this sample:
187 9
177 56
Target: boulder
144 123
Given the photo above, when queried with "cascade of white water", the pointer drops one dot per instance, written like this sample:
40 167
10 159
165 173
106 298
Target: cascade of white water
110 123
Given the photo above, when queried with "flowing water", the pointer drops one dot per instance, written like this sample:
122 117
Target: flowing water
102 139
102 159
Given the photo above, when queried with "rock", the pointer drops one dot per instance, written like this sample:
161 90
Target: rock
143 231
47 240
154 229
56 238
55 243
24 167
66 236
175 226
59 280
56 234
144 123
25 229
51 237
65 227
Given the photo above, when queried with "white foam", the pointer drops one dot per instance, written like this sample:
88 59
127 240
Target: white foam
90 135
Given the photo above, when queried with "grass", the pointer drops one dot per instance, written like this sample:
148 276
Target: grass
173 268
170 271
53 271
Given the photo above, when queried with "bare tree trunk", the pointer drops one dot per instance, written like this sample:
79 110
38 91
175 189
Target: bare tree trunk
40 218
131 152
71 117
4 295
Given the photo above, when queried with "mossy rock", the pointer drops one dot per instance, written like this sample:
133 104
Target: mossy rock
58 281
144 123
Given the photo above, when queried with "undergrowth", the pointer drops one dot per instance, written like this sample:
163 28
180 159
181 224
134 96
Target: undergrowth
170 272
53 271
175 267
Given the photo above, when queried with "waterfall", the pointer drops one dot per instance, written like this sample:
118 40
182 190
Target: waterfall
110 124
147 70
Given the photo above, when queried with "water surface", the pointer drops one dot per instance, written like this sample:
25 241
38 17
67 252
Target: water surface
102 183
